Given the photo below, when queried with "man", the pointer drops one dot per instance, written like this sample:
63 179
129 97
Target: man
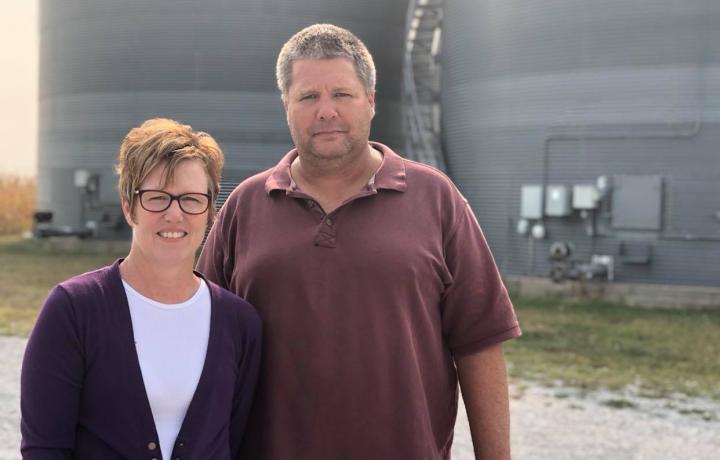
375 285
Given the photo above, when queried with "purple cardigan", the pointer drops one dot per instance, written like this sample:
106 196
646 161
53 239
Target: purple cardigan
82 394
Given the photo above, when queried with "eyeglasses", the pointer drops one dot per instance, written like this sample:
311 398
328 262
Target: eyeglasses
159 201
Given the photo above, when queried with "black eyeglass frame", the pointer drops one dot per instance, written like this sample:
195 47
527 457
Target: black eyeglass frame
177 198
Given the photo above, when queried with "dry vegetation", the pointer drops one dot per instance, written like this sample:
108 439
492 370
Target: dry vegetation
17 202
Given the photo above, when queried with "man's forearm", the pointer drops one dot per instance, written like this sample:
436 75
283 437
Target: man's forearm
483 380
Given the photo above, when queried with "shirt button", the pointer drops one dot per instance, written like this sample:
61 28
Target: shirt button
328 221
152 446
181 444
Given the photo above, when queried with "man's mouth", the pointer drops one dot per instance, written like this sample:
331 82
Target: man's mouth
328 132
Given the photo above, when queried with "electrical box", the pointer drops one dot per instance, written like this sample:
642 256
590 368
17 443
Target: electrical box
81 177
637 202
531 202
557 201
585 197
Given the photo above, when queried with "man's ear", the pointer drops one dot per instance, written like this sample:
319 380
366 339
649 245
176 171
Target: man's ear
371 100
285 106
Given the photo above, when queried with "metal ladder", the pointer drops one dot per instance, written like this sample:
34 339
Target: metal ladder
421 82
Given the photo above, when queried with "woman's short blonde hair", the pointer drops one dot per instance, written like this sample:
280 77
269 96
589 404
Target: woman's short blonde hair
161 141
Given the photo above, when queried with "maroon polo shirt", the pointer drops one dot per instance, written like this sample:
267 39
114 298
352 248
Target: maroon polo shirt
363 310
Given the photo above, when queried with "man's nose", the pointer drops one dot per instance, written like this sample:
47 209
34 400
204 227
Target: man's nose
327 109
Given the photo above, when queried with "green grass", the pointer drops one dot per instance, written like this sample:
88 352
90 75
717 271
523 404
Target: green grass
29 269
596 345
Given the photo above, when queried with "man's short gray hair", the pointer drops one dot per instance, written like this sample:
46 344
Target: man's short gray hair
324 41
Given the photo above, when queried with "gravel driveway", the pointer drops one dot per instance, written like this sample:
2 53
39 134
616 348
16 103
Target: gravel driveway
547 423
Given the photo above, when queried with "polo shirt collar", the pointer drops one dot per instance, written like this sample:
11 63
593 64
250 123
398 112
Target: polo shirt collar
279 178
390 175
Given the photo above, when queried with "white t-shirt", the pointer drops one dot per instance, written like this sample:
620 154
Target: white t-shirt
171 342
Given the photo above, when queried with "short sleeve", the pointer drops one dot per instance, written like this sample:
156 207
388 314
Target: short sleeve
476 309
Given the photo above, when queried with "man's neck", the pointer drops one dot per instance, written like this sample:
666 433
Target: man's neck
330 185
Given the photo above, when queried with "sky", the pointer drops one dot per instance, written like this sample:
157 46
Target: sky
18 87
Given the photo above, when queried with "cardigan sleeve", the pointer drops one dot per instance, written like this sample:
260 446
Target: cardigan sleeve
51 382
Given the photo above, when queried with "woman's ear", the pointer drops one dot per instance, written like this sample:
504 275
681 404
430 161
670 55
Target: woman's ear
127 212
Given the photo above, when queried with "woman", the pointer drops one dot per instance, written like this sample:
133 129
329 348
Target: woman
145 358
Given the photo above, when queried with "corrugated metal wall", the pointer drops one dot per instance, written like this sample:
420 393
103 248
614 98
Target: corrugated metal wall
105 66
565 91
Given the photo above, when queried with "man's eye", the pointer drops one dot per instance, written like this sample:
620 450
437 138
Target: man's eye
308 97
158 198
342 95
